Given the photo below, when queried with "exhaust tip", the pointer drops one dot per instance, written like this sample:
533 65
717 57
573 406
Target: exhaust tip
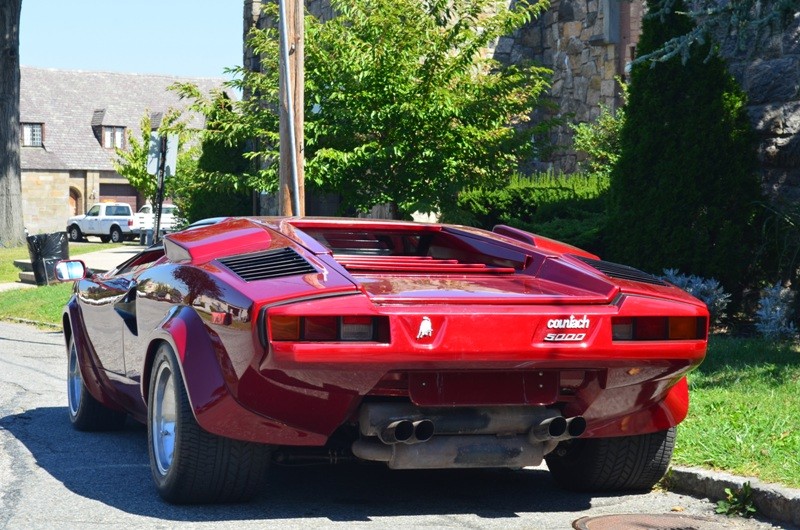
576 426
399 431
423 430
548 429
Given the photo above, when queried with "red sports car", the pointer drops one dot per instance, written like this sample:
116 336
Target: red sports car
416 345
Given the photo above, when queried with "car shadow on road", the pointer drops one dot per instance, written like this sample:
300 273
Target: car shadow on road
113 468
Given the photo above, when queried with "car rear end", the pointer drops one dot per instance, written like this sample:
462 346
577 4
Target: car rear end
460 349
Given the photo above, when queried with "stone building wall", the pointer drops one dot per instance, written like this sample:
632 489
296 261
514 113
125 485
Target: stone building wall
771 79
45 210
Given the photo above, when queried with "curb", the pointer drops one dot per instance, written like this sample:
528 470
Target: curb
775 502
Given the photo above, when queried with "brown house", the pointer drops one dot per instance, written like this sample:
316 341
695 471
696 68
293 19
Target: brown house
71 121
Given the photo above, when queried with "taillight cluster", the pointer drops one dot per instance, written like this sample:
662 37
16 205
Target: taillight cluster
658 328
353 328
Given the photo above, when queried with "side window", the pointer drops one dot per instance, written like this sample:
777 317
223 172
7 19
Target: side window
94 211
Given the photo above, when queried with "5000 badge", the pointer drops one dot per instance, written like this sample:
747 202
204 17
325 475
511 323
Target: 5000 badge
564 337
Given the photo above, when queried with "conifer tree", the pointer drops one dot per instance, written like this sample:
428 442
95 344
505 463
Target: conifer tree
685 191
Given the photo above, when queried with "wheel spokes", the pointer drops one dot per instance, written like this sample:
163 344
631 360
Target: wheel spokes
164 419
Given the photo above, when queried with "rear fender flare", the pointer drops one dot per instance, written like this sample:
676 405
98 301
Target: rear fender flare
186 333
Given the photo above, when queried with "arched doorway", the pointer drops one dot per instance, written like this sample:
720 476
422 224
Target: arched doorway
75 203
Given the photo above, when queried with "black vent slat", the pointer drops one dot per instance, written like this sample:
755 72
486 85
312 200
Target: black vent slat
622 272
267 265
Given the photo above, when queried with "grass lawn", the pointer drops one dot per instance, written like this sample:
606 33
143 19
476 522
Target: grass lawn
744 416
41 304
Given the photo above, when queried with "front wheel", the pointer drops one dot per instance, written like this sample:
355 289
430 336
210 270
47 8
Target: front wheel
85 412
190 465
632 463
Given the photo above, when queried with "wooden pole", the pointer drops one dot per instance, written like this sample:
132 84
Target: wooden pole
292 116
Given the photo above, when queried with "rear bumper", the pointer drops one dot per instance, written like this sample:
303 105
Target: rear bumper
480 356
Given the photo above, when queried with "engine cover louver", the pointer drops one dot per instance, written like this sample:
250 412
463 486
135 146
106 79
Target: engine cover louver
270 264
622 272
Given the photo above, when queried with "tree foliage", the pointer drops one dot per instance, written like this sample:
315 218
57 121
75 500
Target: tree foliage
600 140
748 24
402 105
684 192
131 163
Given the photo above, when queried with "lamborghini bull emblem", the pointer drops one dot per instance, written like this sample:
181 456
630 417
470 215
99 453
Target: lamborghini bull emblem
425 328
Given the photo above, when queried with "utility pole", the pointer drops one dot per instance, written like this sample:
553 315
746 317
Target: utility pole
291 193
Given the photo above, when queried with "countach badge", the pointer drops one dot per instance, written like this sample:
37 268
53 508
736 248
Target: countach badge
570 324
425 328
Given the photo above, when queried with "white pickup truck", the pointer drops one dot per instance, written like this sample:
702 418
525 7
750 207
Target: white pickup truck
146 218
111 221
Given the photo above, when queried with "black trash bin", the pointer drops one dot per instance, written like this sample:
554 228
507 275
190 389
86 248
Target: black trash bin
45 250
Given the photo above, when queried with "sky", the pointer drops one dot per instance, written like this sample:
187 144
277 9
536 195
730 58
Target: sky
192 38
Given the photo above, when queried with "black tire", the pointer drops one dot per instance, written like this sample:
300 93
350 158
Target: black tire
190 465
628 463
74 233
85 412
116 235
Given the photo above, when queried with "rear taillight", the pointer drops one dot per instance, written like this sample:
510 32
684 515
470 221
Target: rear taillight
658 328
329 328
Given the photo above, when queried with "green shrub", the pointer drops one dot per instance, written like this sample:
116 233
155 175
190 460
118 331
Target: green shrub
566 208
600 139
684 193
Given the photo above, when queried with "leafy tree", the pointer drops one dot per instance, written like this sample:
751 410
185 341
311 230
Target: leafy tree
684 192
600 140
11 228
401 104
131 163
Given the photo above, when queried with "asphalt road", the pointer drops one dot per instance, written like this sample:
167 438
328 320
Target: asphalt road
54 477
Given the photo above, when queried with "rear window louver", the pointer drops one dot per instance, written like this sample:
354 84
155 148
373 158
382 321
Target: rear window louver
267 265
622 272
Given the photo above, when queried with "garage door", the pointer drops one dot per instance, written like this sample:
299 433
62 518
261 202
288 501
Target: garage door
119 193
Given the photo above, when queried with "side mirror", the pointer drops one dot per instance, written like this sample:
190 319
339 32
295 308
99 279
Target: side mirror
70 270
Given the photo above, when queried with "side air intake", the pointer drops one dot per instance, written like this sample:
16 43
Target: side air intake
622 272
266 265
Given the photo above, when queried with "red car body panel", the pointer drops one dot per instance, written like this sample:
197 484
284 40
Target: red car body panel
461 318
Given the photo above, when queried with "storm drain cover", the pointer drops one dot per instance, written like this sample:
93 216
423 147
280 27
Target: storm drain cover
648 522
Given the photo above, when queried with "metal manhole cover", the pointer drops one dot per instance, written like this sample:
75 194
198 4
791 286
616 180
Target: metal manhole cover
647 522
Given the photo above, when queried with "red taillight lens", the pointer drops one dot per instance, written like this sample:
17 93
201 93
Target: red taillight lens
320 328
658 328
650 328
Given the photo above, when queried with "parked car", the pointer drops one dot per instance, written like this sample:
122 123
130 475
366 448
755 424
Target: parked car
146 218
111 221
415 345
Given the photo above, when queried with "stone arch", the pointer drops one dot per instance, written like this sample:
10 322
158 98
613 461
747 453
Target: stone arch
75 201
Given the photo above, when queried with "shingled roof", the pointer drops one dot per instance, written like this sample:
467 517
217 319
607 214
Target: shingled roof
70 102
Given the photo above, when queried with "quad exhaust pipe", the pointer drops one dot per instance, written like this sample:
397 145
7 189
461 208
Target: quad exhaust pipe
407 437
407 432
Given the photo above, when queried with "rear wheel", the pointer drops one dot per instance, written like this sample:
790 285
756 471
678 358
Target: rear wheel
85 412
116 235
190 465
634 463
